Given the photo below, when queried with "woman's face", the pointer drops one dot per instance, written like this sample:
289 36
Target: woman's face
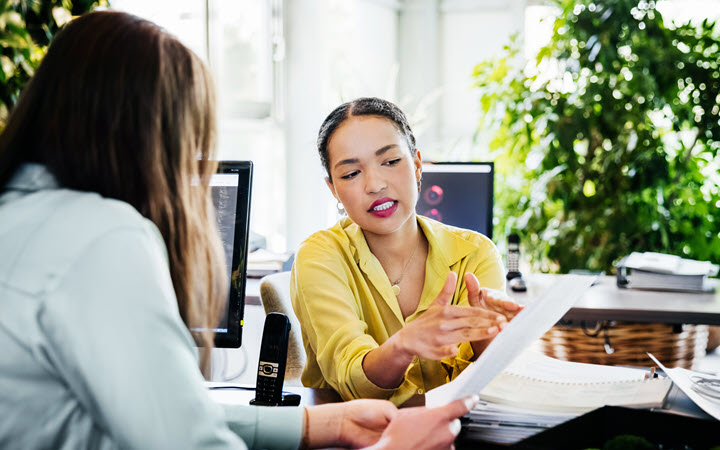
373 173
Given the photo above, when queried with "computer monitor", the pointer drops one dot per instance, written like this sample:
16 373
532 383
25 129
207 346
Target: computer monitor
458 194
230 189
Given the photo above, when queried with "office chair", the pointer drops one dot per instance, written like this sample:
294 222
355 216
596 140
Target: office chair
275 297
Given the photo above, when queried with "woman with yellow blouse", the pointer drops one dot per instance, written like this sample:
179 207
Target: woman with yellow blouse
377 295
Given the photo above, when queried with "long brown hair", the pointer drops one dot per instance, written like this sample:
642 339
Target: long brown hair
122 108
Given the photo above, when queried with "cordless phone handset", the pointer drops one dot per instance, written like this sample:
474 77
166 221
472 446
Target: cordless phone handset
513 256
517 283
273 359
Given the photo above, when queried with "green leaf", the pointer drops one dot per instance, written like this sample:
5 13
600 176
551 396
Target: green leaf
646 114
8 67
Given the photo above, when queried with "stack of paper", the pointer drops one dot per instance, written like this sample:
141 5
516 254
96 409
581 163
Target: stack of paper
537 392
504 424
540 382
658 271
262 262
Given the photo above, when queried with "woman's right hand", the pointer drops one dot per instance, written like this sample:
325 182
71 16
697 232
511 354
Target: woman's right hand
424 428
438 331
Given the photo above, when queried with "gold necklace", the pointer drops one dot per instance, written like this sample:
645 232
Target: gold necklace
396 283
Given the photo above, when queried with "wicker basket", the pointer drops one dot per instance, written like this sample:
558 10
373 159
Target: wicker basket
626 344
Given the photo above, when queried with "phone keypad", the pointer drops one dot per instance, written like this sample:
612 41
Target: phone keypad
267 384
268 369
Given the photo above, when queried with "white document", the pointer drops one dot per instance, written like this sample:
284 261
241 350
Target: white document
529 325
683 378
537 366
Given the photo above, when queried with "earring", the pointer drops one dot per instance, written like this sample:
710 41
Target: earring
419 184
340 208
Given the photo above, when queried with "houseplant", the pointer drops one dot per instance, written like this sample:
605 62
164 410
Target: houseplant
607 143
26 29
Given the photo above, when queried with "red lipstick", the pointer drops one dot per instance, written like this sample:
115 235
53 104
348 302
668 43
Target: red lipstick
383 207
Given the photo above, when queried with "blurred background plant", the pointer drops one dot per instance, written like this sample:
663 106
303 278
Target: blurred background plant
26 29
607 142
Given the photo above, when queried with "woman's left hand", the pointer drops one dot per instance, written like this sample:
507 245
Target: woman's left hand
491 300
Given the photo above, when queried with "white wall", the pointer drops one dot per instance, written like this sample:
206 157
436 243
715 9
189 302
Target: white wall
337 50
470 34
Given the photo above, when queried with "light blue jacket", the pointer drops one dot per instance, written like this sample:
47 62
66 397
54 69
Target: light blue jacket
93 352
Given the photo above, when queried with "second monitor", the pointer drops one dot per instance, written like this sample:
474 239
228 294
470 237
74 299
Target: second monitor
458 194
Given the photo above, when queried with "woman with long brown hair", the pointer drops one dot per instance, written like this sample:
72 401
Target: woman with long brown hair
109 254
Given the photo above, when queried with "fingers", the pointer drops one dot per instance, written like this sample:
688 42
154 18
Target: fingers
488 298
447 291
468 335
453 311
455 427
473 287
458 408
442 344
499 302
472 322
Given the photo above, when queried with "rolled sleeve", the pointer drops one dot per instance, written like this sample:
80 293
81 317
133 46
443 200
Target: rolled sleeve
361 386
334 327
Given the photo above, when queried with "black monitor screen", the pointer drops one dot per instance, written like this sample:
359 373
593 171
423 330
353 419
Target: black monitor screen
458 194
230 189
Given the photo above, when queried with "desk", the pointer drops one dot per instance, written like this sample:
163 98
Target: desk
606 301
677 403
308 396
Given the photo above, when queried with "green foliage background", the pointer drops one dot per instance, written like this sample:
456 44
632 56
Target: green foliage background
608 142
26 29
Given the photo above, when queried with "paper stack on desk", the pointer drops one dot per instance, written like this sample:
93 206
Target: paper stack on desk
537 392
525 395
540 382
657 271
262 262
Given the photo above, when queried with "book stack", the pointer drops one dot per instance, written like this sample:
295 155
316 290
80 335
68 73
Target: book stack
657 271
262 262
537 392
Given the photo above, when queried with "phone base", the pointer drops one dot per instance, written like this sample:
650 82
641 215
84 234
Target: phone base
287 400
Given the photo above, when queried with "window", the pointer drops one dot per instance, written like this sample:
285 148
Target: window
242 42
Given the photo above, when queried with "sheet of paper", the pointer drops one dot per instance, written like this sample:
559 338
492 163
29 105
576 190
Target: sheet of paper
683 379
581 397
529 325
533 364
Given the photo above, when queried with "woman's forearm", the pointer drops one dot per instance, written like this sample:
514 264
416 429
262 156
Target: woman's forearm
386 365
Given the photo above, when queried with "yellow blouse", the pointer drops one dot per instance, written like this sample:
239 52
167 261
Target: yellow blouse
345 304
